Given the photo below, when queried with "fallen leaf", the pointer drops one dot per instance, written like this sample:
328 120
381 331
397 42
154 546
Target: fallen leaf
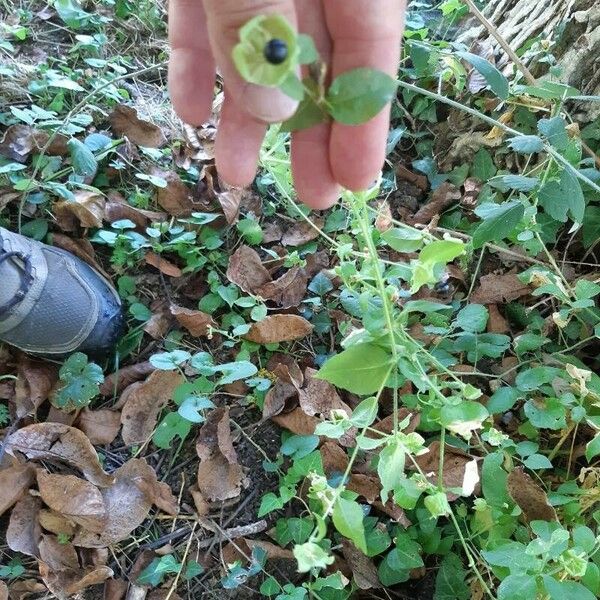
273 551
496 323
3 591
116 382
196 322
59 443
159 324
86 210
159 494
140 412
220 477
279 328
499 289
23 588
177 198
56 523
367 486
297 421
101 426
35 380
17 143
443 197
246 270
81 248
115 589
363 568
384 219
127 504
335 460
455 465
229 201
162 264
58 557
302 232
415 178
76 499
64 584
23 533
319 397
14 483
386 425
125 122
529 497
287 291
279 396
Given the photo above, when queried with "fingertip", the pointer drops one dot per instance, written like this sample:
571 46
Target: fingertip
269 105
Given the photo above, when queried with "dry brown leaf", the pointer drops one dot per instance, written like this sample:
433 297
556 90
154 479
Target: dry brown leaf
23 533
455 465
162 264
117 211
125 122
384 219
159 494
415 178
127 504
116 382
14 482
302 232
443 197
81 248
74 498
59 443
220 477
64 584
279 396
496 323
386 425
58 557
198 323
140 413
101 426
287 291
3 591
499 289
529 497
86 210
363 568
367 486
246 270
159 324
177 198
335 460
35 380
115 589
319 397
56 523
230 203
18 142
279 328
23 588
297 421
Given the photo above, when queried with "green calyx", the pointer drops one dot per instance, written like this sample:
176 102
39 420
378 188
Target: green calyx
249 54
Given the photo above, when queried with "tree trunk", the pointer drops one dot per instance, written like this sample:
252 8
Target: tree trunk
573 24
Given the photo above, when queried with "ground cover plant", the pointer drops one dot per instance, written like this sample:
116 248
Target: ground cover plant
395 398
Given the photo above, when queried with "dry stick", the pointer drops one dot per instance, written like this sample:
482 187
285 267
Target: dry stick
503 43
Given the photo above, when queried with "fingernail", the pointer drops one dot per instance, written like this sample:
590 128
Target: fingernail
268 104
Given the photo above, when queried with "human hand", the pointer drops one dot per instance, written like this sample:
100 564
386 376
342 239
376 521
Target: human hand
348 34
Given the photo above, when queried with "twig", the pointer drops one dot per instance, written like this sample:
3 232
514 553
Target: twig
501 41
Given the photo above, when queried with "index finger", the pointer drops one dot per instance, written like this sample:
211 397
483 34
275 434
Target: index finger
365 34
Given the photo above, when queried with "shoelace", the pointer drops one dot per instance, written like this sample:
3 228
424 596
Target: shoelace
26 279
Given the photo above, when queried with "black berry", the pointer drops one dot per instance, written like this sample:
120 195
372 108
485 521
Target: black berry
276 51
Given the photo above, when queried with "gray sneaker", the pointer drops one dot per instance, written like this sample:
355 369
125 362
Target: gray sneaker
52 303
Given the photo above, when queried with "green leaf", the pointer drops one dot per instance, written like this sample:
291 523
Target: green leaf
555 129
494 78
173 425
190 408
269 503
563 198
80 382
406 554
498 222
592 448
493 480
365 413
502 400
511 555
441 251
566 590
451 580
292 86
437 504
546 413
308 51
311 556
348 518
357 96
169 361
517 587
463 418
82 158
270 587
483 165
526 144
360 369
308 113
519 183
155 572
390 468
473 318
550 90
591 225
403 240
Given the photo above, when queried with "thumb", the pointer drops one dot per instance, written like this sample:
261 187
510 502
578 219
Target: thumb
225 18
